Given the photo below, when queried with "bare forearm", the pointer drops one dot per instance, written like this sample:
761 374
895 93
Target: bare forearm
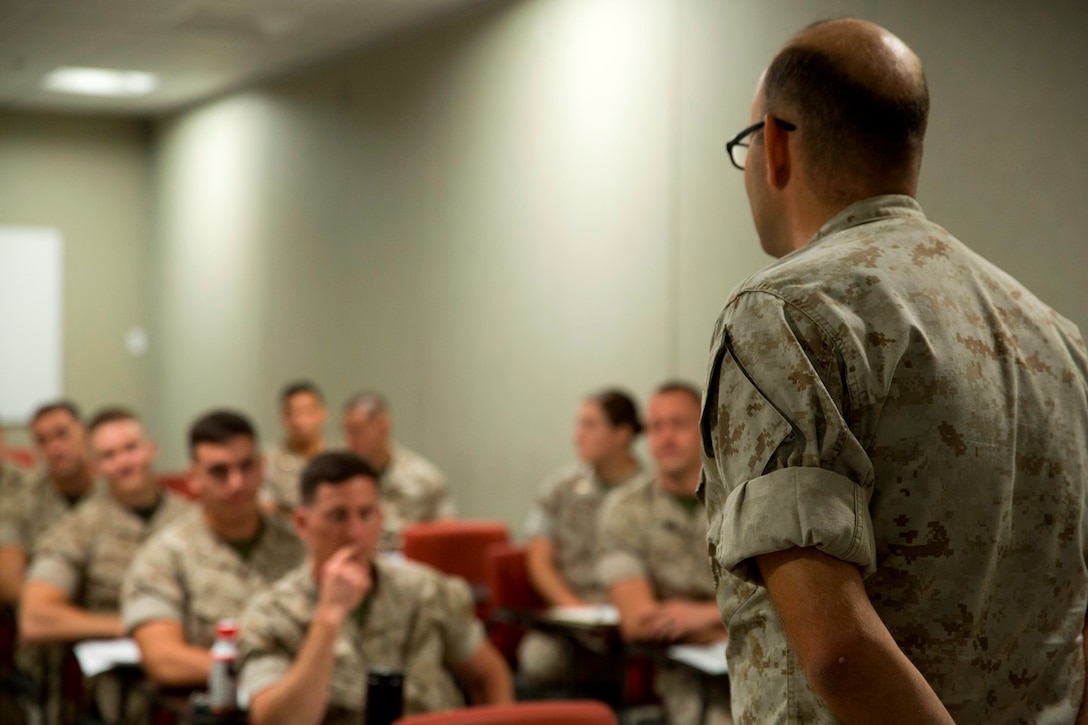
12 570
301 696
709 628
486 677
634 607
848 655
45 623
875 682
178 666
494 691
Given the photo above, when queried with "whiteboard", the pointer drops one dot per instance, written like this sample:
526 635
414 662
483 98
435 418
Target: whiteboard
31 320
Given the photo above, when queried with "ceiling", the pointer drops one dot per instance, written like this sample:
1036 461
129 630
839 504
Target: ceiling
199 48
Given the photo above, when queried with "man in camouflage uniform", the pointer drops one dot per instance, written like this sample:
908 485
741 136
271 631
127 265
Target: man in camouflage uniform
895 431
73 587
413 489
303 413
63 482
207 565
309 641
653 558
12 478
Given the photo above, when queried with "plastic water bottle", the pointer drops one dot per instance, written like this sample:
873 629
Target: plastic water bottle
222 680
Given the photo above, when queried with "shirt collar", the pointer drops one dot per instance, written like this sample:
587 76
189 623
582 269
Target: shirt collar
890 206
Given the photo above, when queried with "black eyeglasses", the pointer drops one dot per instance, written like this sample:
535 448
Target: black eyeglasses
737 148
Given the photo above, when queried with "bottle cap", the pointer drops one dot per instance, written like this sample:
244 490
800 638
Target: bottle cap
226 628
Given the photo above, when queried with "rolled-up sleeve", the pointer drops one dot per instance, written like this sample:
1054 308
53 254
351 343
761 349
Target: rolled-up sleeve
262 660
462 632
152 590
791 471
620 529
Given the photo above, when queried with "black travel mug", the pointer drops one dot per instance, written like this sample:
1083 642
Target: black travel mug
384 696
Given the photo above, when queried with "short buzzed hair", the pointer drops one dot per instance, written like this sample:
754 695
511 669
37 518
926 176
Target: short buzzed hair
110 415
367 401
851 132
66 405
681 386
219 427
332 468
297 387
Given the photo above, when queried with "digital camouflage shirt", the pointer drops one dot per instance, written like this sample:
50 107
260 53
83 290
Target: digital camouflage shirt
413 490
86 553
889 397
188 574
417 622
566 512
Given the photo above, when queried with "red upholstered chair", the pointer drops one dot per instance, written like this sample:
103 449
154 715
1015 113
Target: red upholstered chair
457 547
508 584
177 483
21 456
554 712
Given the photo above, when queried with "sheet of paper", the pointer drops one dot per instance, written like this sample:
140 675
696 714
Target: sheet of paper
599 615
101 655
708 658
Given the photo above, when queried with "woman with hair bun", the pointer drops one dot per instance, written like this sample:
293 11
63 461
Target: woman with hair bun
561 552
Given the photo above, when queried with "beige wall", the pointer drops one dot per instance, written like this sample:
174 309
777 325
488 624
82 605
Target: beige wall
490 218
89 178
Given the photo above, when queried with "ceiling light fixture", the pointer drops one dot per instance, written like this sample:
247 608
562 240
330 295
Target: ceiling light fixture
100 82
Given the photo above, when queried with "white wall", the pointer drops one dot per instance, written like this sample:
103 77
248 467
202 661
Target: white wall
489 219
89 178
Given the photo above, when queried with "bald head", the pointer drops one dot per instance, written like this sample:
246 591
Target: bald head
859 99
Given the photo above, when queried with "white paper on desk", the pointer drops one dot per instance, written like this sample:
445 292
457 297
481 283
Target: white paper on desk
96 656
708 658
599 615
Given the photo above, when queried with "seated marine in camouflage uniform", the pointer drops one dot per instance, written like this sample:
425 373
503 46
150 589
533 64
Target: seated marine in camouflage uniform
653 557
73 588
308 642
303 414
208 564
413 489
51 492
561 552
12 479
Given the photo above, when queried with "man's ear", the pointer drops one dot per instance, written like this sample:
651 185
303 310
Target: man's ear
298 517
776 142
194 482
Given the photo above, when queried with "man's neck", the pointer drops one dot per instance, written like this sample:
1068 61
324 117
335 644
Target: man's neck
683 483
75 485
307 448
239 528
146 497
617 468
383 457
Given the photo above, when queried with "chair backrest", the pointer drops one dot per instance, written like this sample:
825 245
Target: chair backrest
177 483
456 547
21 456
509 587
508 578
553 712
